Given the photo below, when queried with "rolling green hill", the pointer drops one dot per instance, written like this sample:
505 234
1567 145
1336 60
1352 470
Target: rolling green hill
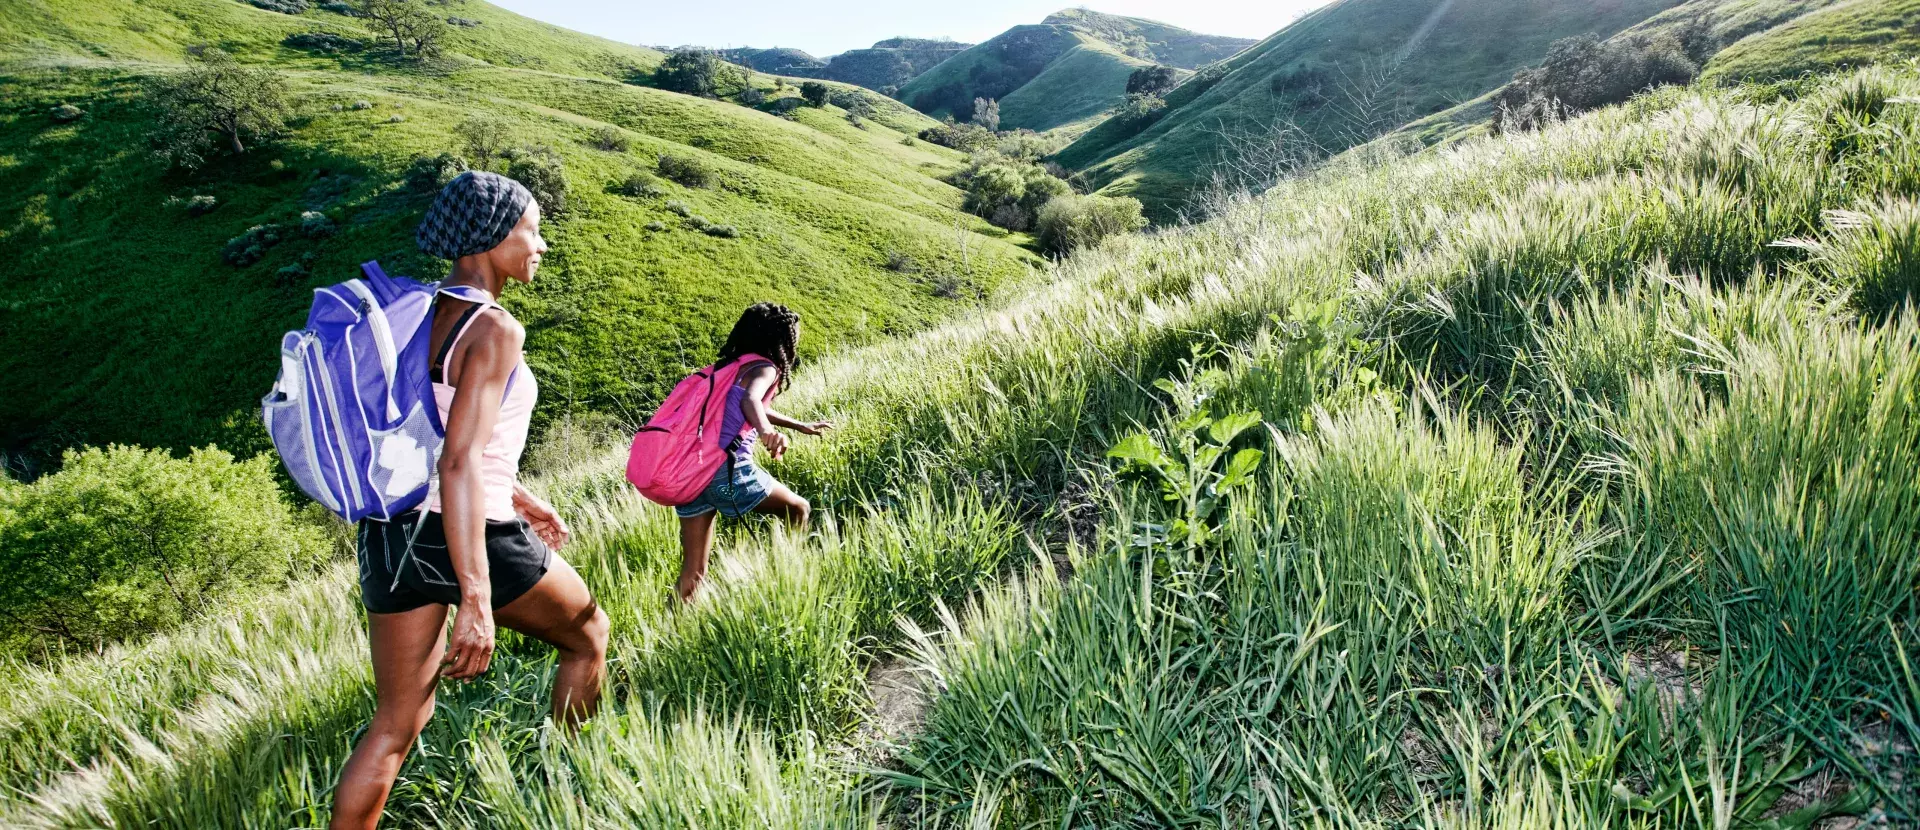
1726 22
884 67
1846 33
121 321
1342 75
1076 63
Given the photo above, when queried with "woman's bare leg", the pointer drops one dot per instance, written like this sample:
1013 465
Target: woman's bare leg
696 544
406 665
560 611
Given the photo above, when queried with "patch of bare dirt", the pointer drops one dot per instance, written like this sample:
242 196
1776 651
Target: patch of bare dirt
899 701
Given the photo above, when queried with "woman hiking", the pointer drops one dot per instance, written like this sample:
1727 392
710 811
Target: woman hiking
480 542
767 334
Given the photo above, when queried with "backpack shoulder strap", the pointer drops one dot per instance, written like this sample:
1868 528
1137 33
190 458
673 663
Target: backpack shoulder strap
437 371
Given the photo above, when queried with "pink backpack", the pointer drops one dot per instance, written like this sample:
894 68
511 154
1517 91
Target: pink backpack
680 449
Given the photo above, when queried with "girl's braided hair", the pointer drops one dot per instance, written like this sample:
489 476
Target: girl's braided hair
769 330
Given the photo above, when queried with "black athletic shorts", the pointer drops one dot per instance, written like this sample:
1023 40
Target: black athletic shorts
516 560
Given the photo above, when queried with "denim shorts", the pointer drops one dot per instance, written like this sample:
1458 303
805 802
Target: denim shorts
736 489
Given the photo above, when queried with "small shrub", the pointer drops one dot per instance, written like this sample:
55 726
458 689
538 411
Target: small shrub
1582 73
124 541
427 174
363 105
687 171
786 106
901 262
753 96
853 102
485 137
66 113
967 138
463 22
292 275
986 114
325 43
722 231
250 247
699 72
675 206
909 141
340 8
815 93
316 225
699 223
544 174
610 139
1069 223
640 185
281 6
194 205
1152 80
656 226
396 118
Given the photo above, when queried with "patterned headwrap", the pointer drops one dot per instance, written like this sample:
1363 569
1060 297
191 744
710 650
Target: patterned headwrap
472 214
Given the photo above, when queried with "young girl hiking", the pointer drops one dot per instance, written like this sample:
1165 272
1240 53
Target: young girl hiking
480 542
762 345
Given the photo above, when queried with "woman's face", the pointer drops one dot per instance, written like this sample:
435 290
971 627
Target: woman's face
518 256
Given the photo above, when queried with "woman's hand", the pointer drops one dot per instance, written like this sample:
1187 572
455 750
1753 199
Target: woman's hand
544 520
471 648
815 428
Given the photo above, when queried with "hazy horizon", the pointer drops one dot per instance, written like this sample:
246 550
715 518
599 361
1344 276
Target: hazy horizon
829 27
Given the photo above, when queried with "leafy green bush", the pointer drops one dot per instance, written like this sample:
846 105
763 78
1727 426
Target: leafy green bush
640 185
486 137
1010 195
679 208
542 171
250 247
325 43
1151 80
699 72
66 113
753 96
970 138
610 139
722 231
685 170
1068 223
814 92
316 225
427 174
1584 73
197 205
852 101
123 541
281 6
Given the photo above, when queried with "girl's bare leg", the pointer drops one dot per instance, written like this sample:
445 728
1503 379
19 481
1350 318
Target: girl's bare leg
696 544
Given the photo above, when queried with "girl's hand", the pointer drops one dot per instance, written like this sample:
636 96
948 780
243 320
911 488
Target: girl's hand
544 520
776 443
816 427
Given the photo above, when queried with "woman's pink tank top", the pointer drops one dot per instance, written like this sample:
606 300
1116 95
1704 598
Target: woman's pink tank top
500 460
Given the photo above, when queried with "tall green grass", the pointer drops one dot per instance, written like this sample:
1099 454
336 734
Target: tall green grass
1582 503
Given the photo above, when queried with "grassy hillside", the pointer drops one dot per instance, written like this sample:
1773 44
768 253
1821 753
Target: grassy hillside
1071 67
1526 483
1728 22
1341 76
884 67
1081 84
1845 34
629 297
1151 40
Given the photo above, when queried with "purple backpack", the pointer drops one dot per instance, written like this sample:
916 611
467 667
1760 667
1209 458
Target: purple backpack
352 414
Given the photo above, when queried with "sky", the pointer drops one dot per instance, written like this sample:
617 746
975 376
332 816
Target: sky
827 27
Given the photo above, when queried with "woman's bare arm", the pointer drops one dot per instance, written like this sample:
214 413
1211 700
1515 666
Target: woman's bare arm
485 360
